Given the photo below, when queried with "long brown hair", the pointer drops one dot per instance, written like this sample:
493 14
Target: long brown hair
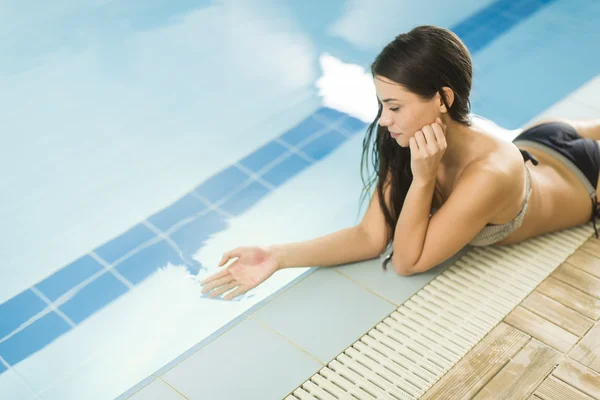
424 60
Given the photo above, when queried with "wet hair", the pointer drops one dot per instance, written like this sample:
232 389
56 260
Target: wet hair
423 61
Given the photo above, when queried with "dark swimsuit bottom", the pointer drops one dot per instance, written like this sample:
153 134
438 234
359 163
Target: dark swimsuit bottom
561 141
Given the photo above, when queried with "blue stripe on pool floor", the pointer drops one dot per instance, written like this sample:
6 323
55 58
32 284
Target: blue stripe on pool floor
18 310
93 297
68 277
186 207
33 338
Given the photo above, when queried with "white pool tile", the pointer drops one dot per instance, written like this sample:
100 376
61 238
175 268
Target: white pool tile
157 390
588 94
569 108
324 313
249 362
12 387
389 284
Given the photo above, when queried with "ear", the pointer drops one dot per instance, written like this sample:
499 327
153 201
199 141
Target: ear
448 97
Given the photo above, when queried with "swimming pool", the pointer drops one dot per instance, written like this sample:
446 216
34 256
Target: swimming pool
144 140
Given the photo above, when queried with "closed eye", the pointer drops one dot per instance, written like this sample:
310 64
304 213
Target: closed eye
394 109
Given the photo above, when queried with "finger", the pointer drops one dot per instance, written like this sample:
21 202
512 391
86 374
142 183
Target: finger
412 144
421 143
219 282
218 275
223 289
239 291
429 135
237 252
439 135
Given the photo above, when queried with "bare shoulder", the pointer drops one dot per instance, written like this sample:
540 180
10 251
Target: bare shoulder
491 163
486 174
500 171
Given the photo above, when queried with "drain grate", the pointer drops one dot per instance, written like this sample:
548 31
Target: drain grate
406 353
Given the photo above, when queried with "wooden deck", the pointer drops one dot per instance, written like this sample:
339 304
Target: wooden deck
547 348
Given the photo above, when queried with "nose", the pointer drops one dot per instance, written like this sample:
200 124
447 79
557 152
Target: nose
384 120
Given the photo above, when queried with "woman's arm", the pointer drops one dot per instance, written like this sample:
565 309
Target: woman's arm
421 242
409 235
366 240
341 247
479 195
253 265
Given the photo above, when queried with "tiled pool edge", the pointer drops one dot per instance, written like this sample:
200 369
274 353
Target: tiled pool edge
458 338
215 335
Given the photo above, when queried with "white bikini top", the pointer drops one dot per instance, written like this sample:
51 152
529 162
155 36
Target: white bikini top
491 233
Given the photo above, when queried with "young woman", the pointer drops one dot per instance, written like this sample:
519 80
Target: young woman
429 156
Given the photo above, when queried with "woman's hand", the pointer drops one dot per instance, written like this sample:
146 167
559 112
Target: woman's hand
252 267
427 147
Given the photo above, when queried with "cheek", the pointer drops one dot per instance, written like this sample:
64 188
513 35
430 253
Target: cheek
430 113
423 115
411 122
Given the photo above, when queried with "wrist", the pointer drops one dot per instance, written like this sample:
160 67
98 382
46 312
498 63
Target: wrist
278 252
423 182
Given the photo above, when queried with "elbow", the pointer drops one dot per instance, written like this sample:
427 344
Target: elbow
402 269
399 266
404 272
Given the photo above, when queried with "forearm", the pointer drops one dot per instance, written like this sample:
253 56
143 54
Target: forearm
341 247
410 231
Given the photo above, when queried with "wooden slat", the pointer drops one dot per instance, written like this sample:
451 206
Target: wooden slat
587 351
555 389
580 279
557 313
571 297
592 247
585 261
541 329
474 370
579 377
523 374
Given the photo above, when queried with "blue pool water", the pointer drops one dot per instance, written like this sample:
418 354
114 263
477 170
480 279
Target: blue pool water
142 140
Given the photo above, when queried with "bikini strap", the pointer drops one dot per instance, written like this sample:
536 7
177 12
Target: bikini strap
595 213
387 260
528 157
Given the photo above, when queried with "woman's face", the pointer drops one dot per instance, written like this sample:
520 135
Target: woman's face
404 113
